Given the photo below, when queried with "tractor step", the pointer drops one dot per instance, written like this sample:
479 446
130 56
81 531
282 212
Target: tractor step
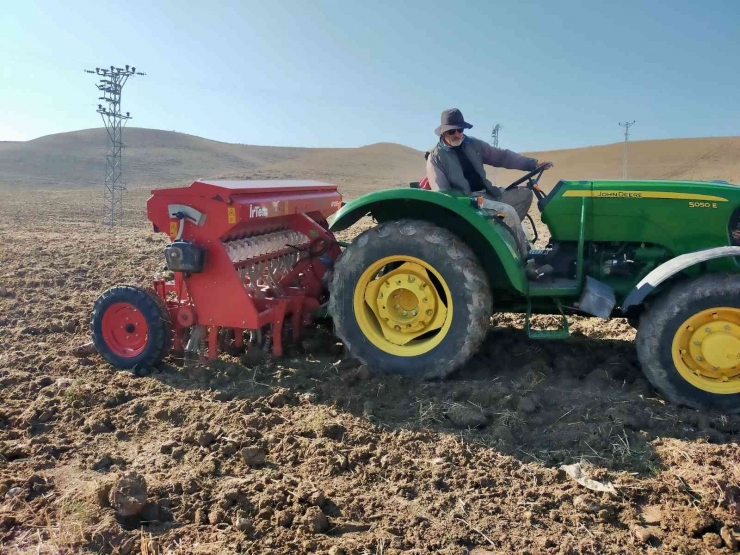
553 287
539 253
559 333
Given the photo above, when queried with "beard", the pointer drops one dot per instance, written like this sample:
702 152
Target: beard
456 141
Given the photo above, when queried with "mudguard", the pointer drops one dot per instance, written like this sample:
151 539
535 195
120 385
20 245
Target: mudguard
651 281
494 245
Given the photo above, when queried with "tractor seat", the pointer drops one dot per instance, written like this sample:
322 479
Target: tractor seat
423 184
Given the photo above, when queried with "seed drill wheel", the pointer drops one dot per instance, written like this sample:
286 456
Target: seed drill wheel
689 343
410 298
131 327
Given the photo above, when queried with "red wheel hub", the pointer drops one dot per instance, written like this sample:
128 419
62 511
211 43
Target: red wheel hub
125 330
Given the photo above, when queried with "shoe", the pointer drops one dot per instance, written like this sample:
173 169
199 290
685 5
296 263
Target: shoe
535 271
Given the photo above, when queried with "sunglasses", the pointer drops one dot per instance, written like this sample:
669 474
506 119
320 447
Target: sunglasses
452 132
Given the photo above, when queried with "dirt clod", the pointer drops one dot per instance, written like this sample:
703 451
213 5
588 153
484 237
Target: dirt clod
307 493
243 525
84 351
333 431
545 542
191 486
205 439
100 426
46 415
14 492
150 512
102 463
201 517
253 456
315 520
167 447
209 467
102 492
712 540
695 523
527 405
127 546
128 494
216 516
652 515
348 364
729 538
642 535
503 434
586 504
466 417
284 518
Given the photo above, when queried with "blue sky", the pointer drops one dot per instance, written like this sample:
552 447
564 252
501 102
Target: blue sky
555 74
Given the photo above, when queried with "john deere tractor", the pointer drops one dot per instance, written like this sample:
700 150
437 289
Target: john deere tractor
414 295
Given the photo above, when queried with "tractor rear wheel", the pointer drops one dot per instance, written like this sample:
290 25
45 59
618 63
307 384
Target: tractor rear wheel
410 298
131 327
688 343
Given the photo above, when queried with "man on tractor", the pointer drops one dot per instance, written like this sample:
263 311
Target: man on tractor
456 162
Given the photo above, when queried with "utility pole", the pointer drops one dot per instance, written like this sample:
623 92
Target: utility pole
494 134
624 148
111 84
494 141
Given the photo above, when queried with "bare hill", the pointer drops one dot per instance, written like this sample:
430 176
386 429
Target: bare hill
355 170
159 158
681 159
152 157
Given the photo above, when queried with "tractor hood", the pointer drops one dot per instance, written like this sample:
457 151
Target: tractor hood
681 216
645 189
665 189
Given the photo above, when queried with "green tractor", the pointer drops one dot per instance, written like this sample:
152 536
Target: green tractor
414 295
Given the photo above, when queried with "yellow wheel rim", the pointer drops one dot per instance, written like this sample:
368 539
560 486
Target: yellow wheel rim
706 350
403 306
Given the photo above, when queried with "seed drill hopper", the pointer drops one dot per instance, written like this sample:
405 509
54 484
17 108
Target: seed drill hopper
247 261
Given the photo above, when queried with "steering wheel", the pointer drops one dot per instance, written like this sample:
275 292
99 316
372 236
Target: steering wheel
532 178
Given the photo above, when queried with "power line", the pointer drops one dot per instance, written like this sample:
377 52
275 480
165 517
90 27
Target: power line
624 148
111 85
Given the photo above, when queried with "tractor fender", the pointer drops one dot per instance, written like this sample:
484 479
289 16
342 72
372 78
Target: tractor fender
650 282
494 245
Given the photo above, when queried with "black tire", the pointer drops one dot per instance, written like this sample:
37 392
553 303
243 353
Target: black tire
458 266
658 326
154 313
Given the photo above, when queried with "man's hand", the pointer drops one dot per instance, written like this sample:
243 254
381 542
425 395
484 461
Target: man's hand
546 163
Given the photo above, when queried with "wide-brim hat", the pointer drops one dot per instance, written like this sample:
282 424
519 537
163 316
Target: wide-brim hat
452 119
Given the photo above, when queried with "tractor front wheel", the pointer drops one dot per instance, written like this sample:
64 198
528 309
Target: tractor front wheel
131 327
410 298
688 343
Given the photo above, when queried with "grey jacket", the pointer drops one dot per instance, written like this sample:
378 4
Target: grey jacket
445 172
